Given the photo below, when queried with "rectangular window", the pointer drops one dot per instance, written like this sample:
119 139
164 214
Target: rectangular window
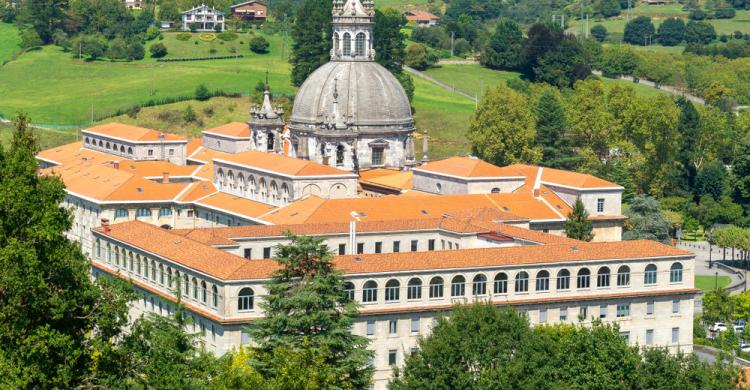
415 325
370 327
625 336
431 245
542 316
675 335
377 156
675 306
600 205
360 248
190 213
393 327
248 253
584 314
342 249
414 245
392 355
267 252
650 308
623 310
245 338
602 311
171 152
396 246
563 314
649 336
150 152
378 247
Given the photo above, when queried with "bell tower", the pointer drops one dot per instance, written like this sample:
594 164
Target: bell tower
353 22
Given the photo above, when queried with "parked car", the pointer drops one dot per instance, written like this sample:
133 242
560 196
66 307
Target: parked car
738 328
744 346
718 327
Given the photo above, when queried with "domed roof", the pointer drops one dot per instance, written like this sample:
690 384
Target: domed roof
369 96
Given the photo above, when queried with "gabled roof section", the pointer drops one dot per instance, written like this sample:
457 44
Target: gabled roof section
153 169
235 205
396 181
246 3
468 167
420 16
238 130
131 133
559 177
282 165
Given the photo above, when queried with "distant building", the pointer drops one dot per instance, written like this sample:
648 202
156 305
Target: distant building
133 4
205 18
657 2
422 18
249 10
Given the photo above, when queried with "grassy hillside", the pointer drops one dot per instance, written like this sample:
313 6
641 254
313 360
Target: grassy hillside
9 41
55 88
47 138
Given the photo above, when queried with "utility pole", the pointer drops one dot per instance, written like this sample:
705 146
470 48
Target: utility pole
453 35
587 26
629 9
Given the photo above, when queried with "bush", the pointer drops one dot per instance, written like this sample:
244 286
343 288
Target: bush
435 37
92 46
461 47
259 45
189 115
30 38
118 49
671 32
599 32
184 37
207 37
227 36
699 32
217 28
152 33
418 57
136 51
193 27
697 14
724 13
158 50
639 30
133 111
202 93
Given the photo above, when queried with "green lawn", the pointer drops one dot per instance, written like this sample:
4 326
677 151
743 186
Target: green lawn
473 79
55 88
405 4
9 41
47 138
707 283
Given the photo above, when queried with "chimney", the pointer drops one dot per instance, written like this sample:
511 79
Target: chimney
537 193
116 164
105 225
165 177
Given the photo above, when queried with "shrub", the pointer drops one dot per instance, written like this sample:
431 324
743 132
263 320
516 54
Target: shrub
30 38
639 30
207 37
118 49
724 13
202 93
133 111
189 115
217 28
461 47
227 36
671 32
233 50
599 32
136 51
212 50
418 57
697 14
158 50
152 33
193 27
259 45
184 37
196 42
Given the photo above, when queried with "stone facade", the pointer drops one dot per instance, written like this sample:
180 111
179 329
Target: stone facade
172 151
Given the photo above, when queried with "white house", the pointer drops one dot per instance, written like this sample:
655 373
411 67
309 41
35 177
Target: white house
205 18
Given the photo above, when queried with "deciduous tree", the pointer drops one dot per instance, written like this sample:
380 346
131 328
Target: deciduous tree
312 39
645 221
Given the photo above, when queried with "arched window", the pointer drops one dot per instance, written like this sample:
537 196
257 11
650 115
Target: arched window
270 138
195 289
98 248
109 253
86 140
130 255
347 44
117 256
602 277
675 273
284 193
479 285
414 289
274 191
522 282
220 178
340 155
170 278
542 281
458 286
649 277
349 290
584 278
241 187
204 292
107 145
214 296
161 274
153 271
253 188
230 181
623 276
145 269
122 148
263 189
130 150
370 291
563 279
359 44
436 287
495 190
392 288
245 299
186 286
336 43
501 283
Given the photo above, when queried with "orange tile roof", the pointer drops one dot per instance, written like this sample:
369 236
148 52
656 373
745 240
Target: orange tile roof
554 176
368 174
420 16
157 168
467 167
223 265
106 184
193 145
131 133
197 190
232 129
397 181
75 153
282 164
234 205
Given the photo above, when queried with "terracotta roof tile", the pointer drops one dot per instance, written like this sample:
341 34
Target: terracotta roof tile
156 168
397 181
232 129
282 164
467 167
235 205
131 133
565 178
420 16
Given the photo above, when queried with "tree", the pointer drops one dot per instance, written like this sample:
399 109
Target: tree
639 31
609 8
92 46
588 119
699 32
618 60
390 50
158 50
202 93
671 32
645 221
29 39
741 172
44 16
307 307
688 123
259 45
599 32
168 11
418 57
189 114
505 46
711 180
136 51
718 306
53 317
551 134
502 129
312 39
577 225
118 49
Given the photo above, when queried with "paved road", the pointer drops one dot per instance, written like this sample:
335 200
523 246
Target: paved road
701 260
